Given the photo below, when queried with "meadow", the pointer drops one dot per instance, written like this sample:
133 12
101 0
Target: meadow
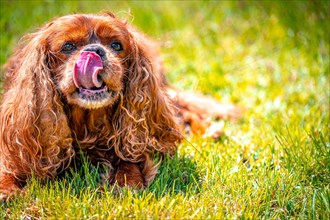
270 58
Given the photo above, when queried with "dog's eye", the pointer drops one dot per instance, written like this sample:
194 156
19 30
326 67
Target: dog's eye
116 46
68 47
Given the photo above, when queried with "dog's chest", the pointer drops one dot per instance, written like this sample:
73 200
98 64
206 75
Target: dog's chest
92 130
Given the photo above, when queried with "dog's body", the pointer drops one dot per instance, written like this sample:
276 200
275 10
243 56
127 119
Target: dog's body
91 83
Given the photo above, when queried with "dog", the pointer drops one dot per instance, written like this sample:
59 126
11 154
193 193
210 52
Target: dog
92 83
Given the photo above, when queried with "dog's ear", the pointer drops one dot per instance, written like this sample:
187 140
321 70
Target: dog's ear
146 115
34 133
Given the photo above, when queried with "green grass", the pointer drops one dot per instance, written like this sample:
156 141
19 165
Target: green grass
270 58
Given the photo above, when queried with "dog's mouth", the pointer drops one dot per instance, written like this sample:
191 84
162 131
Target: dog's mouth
91 90
95 94
94 98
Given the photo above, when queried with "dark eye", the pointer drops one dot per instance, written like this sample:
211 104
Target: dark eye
116 46
68 47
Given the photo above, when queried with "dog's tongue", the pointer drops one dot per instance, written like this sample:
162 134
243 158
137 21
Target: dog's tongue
86 69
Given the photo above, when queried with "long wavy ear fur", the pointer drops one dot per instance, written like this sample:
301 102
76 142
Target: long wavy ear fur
146 116
34 134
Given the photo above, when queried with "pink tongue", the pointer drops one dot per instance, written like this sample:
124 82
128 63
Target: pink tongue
86 69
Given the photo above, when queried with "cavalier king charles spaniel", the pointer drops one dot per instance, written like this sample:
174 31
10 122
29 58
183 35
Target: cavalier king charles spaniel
92 84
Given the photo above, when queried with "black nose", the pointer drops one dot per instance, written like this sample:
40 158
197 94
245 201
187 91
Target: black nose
97 49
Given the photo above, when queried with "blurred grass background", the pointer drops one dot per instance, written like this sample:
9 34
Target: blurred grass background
269 57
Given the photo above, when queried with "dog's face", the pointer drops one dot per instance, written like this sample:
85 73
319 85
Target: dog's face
88 57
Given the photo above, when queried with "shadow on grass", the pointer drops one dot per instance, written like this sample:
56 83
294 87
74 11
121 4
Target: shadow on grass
176 175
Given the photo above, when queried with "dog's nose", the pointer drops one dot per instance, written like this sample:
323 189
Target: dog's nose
97 49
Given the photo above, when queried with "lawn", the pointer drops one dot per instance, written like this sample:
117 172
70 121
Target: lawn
269 58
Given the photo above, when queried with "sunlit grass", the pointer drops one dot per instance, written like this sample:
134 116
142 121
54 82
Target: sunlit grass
271 59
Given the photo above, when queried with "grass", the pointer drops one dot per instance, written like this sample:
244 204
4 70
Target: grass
270 58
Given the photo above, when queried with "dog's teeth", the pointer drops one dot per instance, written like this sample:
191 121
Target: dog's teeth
95 98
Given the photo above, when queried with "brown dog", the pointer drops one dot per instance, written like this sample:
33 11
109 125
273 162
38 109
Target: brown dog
91 83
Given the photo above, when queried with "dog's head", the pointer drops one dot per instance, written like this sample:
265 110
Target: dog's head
89 56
